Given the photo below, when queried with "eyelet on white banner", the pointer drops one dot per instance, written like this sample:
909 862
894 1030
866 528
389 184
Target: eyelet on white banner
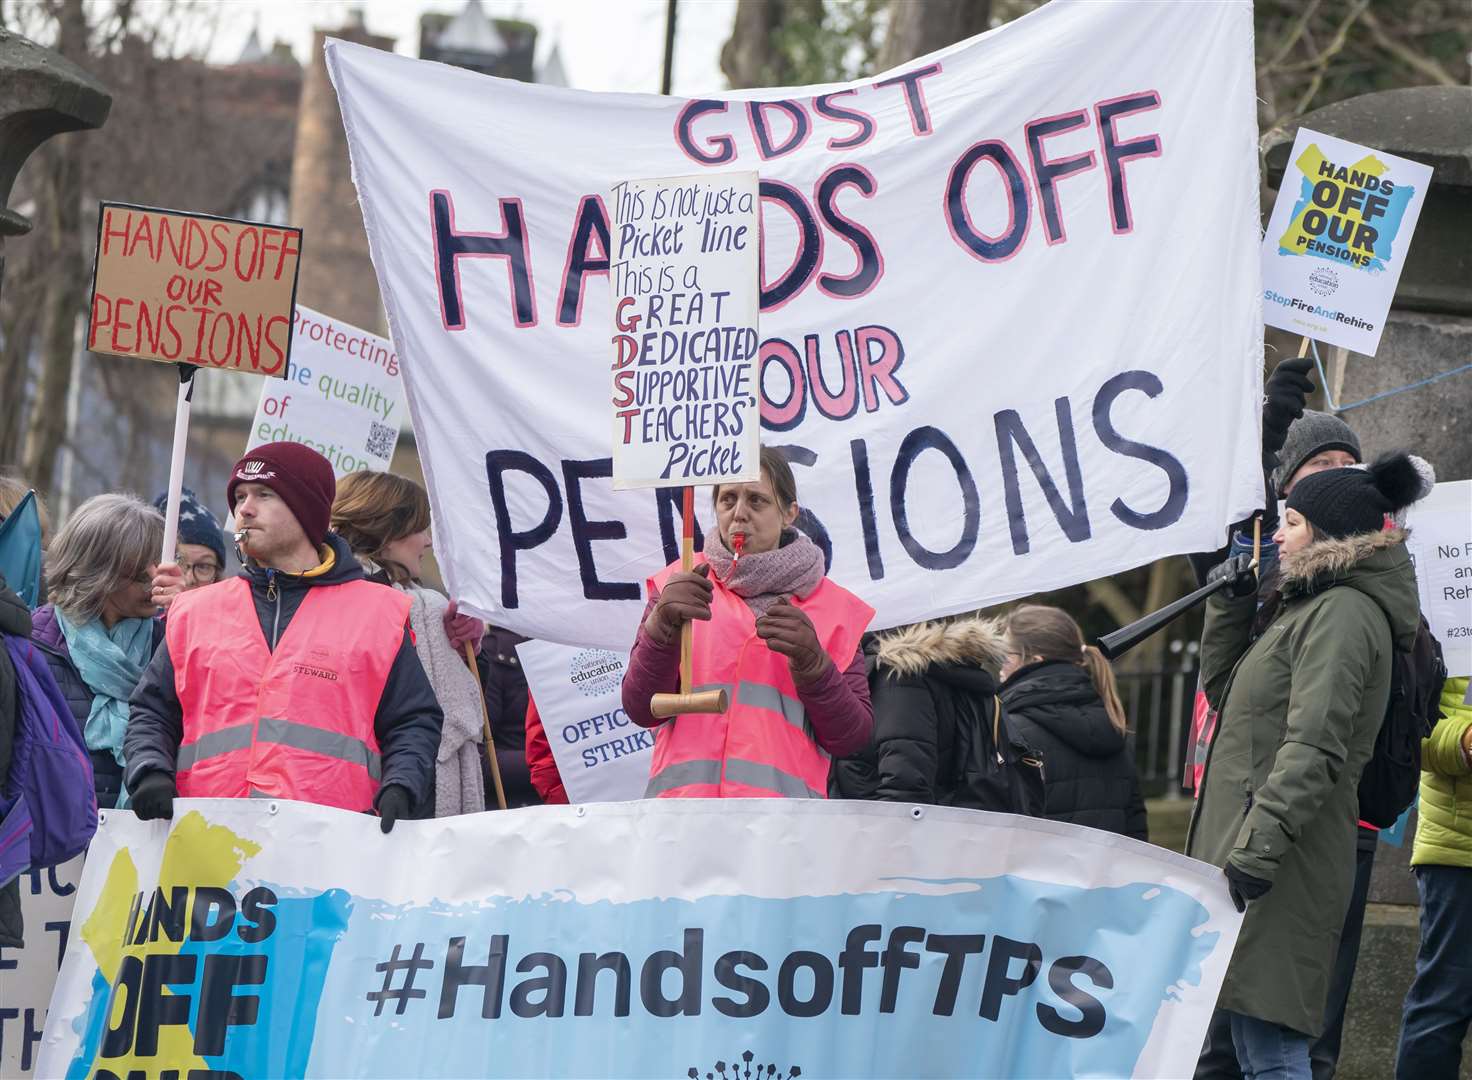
101 818
272 808
582 811
917 812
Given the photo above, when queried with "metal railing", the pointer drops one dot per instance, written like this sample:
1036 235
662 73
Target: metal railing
1158 704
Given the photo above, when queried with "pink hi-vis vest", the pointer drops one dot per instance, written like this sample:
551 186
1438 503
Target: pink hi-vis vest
763 746
296 723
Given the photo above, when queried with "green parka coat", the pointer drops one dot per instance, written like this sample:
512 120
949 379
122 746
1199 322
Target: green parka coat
1300 709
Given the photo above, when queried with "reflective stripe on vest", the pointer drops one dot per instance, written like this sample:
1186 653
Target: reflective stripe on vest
296 723
763 746
287 733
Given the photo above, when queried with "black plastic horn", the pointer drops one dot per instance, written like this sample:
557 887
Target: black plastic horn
1116 644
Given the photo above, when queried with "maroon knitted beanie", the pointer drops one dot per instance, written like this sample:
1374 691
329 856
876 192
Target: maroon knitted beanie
301 476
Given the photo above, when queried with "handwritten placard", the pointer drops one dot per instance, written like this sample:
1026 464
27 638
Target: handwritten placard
685 293
193 289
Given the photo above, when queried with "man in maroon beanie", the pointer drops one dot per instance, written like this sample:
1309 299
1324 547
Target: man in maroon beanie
296 680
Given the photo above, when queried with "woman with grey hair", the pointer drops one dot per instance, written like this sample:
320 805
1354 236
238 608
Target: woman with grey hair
99 631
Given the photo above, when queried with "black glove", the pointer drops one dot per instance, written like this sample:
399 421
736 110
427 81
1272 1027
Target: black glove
153 798
1284 394
393 803
1244 887
1238 570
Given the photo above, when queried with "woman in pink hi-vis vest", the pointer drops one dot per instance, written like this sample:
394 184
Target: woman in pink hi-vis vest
772 630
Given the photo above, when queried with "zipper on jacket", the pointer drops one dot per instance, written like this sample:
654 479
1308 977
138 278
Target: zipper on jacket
273 595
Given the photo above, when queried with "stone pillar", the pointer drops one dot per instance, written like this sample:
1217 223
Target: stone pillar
336 273
41 94
1429 332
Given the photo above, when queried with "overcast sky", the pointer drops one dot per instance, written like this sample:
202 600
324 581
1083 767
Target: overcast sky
605 44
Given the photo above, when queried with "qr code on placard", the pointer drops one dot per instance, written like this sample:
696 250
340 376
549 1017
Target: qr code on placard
381 439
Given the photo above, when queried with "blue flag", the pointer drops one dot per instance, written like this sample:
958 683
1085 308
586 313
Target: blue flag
20 550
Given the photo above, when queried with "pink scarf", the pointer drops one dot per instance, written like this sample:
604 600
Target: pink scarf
794 569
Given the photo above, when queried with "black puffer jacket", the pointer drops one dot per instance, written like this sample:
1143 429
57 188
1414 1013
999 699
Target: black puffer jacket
407 722
107 774
504 685
1089 766
927 682
15 620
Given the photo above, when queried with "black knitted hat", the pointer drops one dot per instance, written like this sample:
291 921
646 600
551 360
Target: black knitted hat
1343 502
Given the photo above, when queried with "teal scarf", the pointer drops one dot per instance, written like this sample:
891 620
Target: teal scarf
110 662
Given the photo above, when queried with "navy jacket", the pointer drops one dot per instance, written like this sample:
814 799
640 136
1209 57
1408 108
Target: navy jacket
407 722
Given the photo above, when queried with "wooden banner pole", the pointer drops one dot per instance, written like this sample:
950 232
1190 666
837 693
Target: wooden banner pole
485 719
687 701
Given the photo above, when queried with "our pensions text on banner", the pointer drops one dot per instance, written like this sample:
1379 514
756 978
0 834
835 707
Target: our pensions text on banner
1010 311
838 939
343 397
601 755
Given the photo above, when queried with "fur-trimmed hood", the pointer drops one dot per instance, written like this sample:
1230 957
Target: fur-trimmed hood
971 641
1326 559
1376 564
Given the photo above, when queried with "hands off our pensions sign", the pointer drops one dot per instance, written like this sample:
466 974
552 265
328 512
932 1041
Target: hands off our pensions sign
193 289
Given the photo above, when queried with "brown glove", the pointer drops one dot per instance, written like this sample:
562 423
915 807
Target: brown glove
788 631
684 597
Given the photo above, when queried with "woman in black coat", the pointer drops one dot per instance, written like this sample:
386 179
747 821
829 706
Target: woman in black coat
934 689
1061 699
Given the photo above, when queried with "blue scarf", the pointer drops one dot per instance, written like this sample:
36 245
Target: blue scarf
110 662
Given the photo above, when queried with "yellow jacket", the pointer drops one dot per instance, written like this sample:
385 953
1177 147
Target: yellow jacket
1444 834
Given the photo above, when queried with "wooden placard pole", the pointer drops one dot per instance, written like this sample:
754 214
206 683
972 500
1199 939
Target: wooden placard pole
663 706
485 719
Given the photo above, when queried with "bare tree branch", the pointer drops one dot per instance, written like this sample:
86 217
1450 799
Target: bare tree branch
1416 61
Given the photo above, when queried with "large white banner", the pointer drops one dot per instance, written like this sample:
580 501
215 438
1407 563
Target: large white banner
1010 309
258 938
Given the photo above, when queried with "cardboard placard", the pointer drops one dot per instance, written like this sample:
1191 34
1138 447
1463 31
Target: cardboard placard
1337 240
685 297
193 289
344 397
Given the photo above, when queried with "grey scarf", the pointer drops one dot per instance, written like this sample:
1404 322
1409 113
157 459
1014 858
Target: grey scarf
792 569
